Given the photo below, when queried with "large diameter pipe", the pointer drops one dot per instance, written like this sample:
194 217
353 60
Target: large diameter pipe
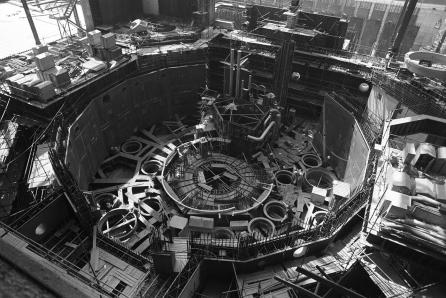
237 78
265 132
231 73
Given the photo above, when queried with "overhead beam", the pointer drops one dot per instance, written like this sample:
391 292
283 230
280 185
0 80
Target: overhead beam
336 287
297 288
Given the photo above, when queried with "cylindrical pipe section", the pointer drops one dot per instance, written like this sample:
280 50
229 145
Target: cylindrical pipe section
284 181
317 177
261 227
237 78
249 83
118 224
131 147
275 211
317 218
151 167
231 73
311 161
107 201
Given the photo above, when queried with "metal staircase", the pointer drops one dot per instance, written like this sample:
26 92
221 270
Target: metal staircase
61 11
72 191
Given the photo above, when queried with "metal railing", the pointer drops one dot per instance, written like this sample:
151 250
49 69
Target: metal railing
61 263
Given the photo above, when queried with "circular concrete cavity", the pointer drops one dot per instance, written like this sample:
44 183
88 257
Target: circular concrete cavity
284 177
275 211
318 177
317 218
311 161
223 233
118 224
131 147
261 227
153 203
151 167
215 182
437 70
107 201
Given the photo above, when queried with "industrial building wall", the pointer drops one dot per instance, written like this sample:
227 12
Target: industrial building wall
177 8
422 28
114 11
139 102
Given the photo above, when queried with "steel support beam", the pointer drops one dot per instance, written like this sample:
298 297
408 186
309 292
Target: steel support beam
297 288
31 22
336 287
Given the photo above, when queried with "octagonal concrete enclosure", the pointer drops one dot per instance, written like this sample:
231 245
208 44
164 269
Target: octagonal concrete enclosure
138 102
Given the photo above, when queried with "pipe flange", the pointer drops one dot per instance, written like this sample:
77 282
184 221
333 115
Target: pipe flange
151 167
118 223
107 201
275 211
311 161
318 177
261 228
131 147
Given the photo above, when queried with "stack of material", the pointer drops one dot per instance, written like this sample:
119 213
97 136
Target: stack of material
396 204
108 40
39 49
318 195
408 153
44 61
94 65
107 54
94 37
425 153
438 165
45 91
201 224
12 83
29 86
425 187
57 75
401 182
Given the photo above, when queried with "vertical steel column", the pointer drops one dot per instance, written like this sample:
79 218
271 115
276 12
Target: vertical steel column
231 73
237 78
403 27
440 43
31 22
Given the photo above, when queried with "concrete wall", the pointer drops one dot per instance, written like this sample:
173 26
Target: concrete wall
339 125
345 144
150 7
113 116
420 33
